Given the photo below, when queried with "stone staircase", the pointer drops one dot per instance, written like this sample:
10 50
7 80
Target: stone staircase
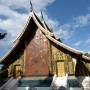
86 83
11 84
66 83
59 83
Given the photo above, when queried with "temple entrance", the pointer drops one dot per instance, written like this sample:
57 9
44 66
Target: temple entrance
63 67
60 68
17 71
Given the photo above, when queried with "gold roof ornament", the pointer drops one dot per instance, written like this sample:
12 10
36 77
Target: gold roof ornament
44 23
31 6
42 18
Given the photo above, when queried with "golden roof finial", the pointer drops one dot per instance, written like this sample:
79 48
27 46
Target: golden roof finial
42 16
44 23
31 6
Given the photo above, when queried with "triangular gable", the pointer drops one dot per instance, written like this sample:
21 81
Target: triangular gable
46 32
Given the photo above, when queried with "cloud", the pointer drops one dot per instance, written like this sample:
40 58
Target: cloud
67 30
64 34
83 20
38 4
13 25
78 43
14 15
88 41
13 4
16 20
41 4
52 23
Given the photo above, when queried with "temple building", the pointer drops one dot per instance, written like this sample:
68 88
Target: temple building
37 53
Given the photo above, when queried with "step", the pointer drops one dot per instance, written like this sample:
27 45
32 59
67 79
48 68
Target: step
13 83
34 88
4 85
10 85
61 81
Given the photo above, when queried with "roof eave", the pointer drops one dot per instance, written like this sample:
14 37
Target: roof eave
63 45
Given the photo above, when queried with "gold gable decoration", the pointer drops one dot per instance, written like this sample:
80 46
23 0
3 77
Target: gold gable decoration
17 66
61 63
57 54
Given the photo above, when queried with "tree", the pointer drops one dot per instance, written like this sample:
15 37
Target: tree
2 35
87 54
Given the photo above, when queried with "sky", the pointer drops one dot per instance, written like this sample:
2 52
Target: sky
69 20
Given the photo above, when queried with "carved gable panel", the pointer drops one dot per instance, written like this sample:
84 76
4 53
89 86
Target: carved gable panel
36 59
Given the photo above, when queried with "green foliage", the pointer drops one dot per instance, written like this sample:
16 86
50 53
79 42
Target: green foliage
87 54
2 35
3 75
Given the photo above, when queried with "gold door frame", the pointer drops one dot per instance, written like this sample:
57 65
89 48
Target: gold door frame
58 68
16 72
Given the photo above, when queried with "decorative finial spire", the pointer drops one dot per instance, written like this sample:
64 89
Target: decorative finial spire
31 6
41 15
44 23
42 18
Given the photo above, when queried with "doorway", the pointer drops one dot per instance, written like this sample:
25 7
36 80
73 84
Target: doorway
60 66
17 71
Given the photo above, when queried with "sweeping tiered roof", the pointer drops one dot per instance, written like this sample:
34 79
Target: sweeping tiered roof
47 32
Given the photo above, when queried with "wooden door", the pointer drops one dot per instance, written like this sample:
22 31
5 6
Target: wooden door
17 71
60 69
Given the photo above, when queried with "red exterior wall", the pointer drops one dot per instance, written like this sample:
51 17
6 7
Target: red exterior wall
36 59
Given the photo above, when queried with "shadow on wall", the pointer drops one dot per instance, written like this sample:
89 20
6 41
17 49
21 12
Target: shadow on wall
81 72
81 69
